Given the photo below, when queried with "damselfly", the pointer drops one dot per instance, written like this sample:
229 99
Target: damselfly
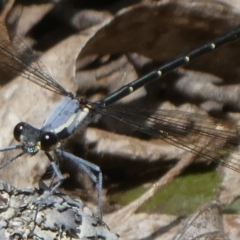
188 131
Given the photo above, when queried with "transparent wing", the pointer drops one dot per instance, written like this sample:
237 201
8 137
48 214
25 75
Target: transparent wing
213 139
16 58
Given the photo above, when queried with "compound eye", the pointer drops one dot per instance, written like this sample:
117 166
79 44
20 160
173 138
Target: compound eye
18 131
48 141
